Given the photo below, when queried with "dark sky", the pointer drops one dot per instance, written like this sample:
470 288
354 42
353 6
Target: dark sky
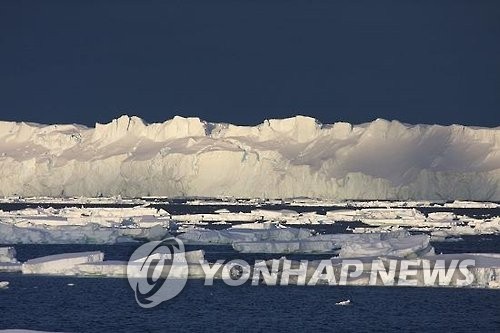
241 61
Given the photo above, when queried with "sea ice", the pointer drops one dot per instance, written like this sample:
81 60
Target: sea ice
293 246
8 255
228 236
61 264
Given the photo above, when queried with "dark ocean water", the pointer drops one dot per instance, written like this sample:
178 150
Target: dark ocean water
108 305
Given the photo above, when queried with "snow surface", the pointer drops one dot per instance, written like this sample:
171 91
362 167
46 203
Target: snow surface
280 158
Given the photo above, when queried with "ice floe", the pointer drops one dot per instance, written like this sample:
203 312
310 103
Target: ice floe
61 264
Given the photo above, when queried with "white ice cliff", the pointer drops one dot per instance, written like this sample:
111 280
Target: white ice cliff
295 157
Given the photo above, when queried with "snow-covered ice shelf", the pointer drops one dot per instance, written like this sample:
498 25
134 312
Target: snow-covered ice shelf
280 158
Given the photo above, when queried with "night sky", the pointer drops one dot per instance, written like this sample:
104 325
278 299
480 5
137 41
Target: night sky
242 61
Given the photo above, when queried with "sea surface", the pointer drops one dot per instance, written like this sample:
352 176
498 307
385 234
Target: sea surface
73 304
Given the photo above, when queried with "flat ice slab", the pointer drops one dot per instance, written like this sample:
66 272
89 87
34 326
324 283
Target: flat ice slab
61 264
92 264
398 243
228 236
298 246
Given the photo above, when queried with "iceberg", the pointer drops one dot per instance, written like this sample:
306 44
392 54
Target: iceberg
280 158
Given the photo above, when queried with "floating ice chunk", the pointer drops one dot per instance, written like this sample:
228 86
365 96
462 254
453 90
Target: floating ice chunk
8 255
195 256
396 243
61 264
115 268
228 236
474 227
258 225
4 284
294 246
399 247
344 303
442 216
74 234
108 268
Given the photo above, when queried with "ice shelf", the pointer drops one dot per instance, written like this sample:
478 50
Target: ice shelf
280 158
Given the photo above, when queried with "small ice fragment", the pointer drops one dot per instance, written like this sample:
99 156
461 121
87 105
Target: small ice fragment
71 284
4 284
346 302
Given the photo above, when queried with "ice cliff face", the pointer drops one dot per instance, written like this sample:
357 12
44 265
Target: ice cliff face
278 158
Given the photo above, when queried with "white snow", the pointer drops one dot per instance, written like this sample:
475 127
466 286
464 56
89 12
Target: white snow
280 158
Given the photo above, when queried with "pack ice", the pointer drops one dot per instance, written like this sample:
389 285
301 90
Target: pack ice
294 240
73 225
280 158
